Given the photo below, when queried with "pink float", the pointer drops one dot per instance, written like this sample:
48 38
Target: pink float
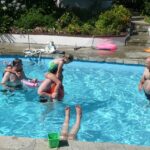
108 46
29 83
106 49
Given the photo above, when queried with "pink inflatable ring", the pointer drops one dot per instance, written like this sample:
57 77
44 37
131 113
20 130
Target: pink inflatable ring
108 46
29 83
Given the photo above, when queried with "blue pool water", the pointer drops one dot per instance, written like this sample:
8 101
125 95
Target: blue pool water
113 108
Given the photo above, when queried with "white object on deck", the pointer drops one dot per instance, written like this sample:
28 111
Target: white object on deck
49 48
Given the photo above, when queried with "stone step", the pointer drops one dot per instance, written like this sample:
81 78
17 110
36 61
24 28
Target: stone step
140 26
139 40
135 18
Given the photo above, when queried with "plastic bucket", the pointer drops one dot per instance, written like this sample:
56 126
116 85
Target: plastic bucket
53 140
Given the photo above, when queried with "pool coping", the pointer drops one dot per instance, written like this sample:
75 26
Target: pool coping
21 143
125 61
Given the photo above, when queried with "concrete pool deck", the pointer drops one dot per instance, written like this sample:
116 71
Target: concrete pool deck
18 143
124 54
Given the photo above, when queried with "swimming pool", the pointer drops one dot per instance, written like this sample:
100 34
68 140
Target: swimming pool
113 109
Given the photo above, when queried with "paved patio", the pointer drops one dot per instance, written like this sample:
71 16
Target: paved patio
124 54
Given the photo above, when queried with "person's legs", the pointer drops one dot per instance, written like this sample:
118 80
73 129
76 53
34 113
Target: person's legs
64 131
76 126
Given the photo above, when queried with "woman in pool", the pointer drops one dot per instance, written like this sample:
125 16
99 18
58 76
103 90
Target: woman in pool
145 80
73 132
13 76
10 79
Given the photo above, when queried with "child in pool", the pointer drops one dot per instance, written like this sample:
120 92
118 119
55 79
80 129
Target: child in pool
9 69
55 67
55 71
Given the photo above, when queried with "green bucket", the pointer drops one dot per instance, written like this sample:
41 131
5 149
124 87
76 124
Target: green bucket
53 140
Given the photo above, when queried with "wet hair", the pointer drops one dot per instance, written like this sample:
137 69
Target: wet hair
43 99
69 57
17 61
9 65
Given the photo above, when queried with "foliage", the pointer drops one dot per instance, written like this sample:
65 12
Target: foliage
147 19
146 9
87 29
73 28
5 22
34 18
66 19
44 16
113 21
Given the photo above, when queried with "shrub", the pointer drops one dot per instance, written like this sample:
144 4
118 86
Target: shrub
146 9
147 19
5 22
113 21
73 28
66 19
87 28
34 18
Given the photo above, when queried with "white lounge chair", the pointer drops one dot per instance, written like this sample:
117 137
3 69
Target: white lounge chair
50 48
32 52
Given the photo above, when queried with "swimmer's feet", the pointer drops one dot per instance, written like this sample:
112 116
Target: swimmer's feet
78 110
64 132
73 133
67 111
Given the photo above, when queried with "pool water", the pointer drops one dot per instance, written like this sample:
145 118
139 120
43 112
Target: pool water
113 108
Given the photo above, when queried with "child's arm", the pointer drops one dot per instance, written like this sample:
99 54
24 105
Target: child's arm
4 81
12 71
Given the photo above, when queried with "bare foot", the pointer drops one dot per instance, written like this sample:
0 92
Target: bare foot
78 110
67 111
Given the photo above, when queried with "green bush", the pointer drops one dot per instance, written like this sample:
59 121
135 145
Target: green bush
66 19
87 29
5 23
113 21
146 9
147 19
34 18
73 29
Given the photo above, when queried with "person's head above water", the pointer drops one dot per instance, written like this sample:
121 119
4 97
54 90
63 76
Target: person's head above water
43 99
68 58
18 64
9 66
